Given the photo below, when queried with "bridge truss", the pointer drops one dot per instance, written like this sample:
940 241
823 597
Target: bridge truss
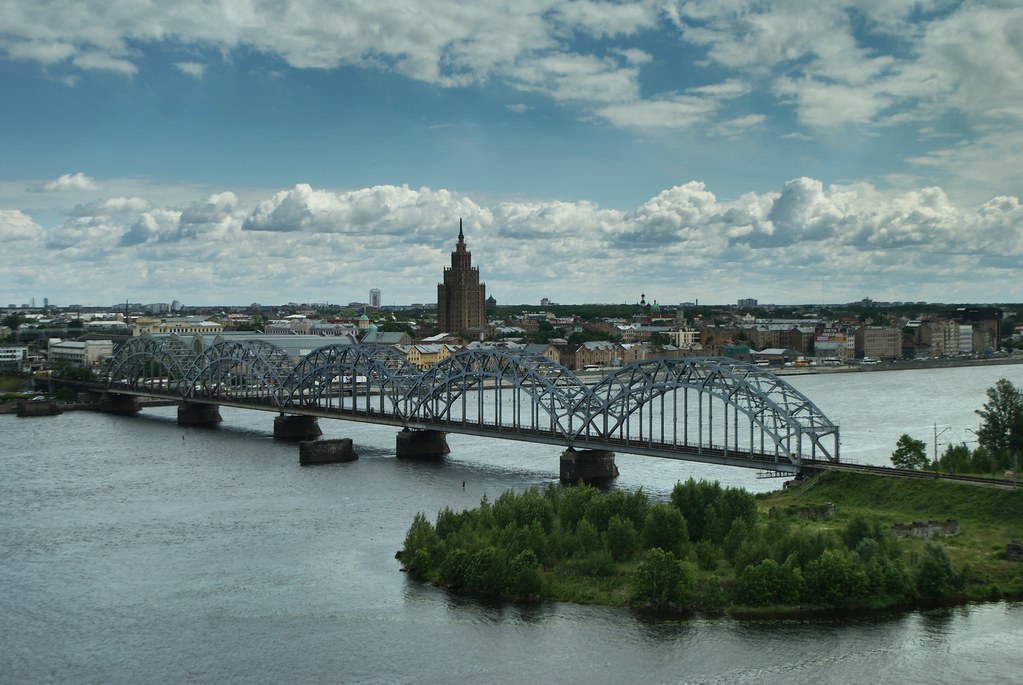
707 409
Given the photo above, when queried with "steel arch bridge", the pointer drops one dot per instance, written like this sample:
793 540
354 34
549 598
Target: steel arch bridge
715 410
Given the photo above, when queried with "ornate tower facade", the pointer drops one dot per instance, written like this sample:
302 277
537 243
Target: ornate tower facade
461 298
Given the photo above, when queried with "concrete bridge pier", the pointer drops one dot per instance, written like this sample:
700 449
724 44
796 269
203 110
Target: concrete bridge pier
326 451
113 403
593 467
197 414
421 444
296 427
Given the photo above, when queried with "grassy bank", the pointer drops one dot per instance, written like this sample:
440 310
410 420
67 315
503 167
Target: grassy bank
824 545
988 517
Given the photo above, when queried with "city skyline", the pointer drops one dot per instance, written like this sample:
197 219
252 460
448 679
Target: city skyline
787 152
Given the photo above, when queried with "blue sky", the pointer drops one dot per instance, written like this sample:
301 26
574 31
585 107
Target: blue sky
231 151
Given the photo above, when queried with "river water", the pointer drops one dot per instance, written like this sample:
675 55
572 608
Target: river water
133 550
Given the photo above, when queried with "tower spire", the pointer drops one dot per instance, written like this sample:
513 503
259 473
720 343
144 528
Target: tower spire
460 236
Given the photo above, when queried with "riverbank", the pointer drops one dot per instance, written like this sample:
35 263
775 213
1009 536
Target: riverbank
898 365
842 541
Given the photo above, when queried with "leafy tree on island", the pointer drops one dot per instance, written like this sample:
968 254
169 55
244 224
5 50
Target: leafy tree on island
910 453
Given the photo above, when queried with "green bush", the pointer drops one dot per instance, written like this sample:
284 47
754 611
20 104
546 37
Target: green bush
420 542
768 583
662 579
833 579
622 538
935 577
524 578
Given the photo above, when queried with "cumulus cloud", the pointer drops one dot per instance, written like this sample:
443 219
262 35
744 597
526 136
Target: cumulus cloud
17 227
681 244
398 212
76 181
113 205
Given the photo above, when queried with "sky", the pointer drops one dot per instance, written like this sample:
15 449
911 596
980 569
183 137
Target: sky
238 151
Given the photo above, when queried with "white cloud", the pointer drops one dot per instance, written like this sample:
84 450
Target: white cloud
678 111
76 181
585 78
113 205
738 126
605 19
309 243
100 60
16 227
397 212
195 69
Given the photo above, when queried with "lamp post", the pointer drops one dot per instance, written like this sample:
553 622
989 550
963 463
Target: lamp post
936 435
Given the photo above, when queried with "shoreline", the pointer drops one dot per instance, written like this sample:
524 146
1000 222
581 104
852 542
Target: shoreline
896 365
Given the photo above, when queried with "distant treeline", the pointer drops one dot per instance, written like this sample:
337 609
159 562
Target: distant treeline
709 547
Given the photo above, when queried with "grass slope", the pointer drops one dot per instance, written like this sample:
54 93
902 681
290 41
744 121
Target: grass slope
988 517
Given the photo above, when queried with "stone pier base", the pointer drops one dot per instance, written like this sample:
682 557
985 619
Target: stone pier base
325 451
421 444
38 408
195 414
112 403
296 427
590 466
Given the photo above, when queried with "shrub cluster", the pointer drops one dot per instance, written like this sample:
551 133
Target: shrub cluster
706 547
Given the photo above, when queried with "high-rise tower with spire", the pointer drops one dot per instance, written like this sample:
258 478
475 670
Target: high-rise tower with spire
461 298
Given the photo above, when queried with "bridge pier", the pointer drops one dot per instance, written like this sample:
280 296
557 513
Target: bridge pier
196 414
113 403
421 444
325 451
590 466
296 427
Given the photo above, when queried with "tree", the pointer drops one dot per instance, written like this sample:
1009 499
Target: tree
659 339
956 459
833 579
420 542
910 453
935 576
769 583
662 579
12 321
622 538
665 527
1001 431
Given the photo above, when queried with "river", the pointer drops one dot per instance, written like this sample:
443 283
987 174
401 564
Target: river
138 551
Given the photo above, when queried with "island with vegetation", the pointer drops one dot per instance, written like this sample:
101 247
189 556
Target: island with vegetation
840 540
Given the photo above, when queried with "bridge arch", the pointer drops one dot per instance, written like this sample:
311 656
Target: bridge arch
673 401
523 384
247 370
360 378
149 363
